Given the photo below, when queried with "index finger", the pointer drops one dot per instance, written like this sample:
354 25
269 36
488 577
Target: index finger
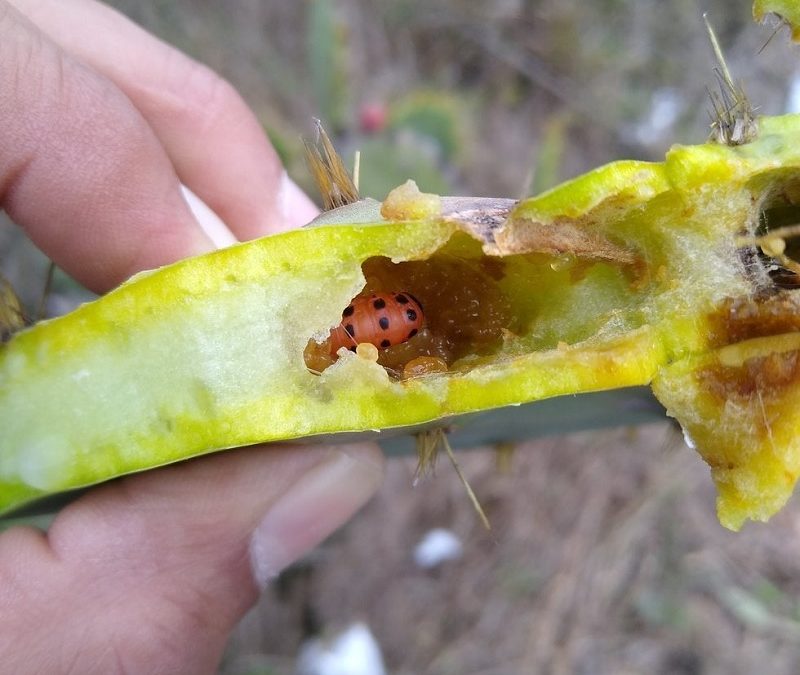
214 140
80 169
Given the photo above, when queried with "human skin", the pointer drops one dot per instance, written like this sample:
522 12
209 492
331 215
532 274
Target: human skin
99 126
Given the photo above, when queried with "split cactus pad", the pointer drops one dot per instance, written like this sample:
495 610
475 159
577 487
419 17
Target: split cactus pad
676 274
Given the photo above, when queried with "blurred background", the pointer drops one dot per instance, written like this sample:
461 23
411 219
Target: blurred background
605 555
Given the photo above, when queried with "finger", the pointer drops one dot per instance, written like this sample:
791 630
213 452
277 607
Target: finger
217 145
152 572
210 222
80 169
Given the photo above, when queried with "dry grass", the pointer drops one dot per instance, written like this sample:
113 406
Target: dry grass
605 557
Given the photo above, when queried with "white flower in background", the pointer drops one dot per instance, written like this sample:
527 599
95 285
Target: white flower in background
437 546
352 652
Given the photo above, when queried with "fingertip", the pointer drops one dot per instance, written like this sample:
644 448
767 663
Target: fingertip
314 507
234 169
210 223
80 169
294 205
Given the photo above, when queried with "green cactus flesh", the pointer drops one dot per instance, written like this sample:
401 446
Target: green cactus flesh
633 274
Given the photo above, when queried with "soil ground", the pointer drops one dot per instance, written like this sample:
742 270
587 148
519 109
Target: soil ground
605 557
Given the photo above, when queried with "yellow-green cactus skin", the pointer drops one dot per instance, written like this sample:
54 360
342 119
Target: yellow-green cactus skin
635 273
788 10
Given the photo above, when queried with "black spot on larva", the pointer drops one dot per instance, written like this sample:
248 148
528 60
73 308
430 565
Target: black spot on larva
380 303
383 322
402 299
385 344
348 311
352 349
413 332
411 314
419 304
351 331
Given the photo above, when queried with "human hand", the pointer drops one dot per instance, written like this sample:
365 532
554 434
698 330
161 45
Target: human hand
99 124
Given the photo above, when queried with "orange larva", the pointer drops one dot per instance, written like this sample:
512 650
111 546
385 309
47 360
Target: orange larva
381 319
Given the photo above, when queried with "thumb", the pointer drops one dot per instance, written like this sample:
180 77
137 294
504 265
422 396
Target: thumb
153 571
